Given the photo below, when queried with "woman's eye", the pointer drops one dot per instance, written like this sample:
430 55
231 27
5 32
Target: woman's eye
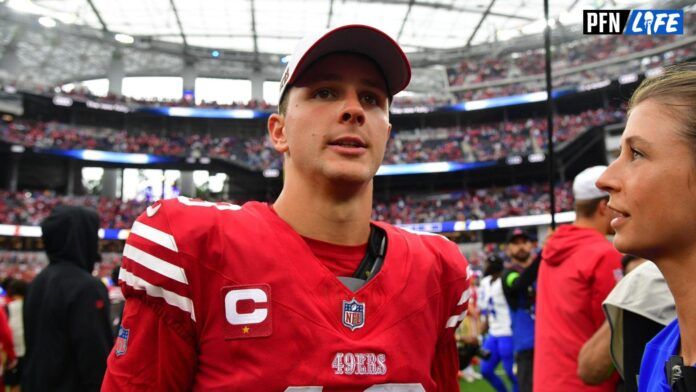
635 154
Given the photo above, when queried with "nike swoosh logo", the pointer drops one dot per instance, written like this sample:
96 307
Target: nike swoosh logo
150 210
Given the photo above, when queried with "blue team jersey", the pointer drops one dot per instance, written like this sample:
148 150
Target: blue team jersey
652 376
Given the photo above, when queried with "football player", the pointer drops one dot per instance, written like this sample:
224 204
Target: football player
306 294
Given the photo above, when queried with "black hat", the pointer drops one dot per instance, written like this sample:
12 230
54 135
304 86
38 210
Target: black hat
494 263
520 233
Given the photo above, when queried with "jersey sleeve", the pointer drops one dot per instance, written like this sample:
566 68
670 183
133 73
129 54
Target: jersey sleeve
456 294
155 348
153 269
149 355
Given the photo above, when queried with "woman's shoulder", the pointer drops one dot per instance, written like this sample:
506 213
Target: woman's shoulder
658 350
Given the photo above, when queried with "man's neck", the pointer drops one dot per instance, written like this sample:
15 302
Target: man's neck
591 223
317 211
678 271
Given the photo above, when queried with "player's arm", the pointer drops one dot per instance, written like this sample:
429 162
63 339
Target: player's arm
156 346
90 334
149 355
516 282
594 361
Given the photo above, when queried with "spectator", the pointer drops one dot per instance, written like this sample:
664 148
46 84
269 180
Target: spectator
6 345
519 287
16 290
498 326
66 311
578 269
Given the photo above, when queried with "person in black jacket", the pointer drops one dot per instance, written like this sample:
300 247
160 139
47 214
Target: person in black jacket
66 310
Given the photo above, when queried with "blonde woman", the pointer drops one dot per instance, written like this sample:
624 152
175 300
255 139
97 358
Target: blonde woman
653 189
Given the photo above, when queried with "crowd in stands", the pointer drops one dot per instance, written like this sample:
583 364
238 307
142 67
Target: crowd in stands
25 265
30 208
21 264
85 94
505 69
475 71
479 142
246 151
484 142
566 55
579 78
474 204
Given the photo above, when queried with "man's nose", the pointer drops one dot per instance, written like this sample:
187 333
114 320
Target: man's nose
353 110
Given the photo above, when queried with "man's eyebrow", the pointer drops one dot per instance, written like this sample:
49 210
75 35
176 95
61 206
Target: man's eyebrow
334 77
324 77
374 83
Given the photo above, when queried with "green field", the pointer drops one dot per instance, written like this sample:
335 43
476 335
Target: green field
482 385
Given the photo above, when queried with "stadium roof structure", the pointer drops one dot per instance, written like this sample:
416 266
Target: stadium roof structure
57 41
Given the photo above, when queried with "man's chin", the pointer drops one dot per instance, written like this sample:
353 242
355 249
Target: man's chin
348 176
522 258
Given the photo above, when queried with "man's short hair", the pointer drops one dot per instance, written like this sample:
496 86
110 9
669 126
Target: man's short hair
587 208
283 104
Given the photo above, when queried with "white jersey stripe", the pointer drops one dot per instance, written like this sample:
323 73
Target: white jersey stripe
157 236
155 264
453 320
172 298
465 297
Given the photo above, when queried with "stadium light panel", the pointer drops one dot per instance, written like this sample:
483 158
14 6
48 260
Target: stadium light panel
569 18
124 38
534 27
47 22
505 35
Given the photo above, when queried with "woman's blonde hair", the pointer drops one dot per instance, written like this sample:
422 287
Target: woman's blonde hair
675 89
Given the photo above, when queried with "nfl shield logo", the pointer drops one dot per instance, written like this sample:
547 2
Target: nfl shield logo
121 342
353 314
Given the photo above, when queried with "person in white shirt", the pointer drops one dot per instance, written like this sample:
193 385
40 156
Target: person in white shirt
496 312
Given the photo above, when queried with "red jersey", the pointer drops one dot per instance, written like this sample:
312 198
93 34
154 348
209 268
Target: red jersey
222 297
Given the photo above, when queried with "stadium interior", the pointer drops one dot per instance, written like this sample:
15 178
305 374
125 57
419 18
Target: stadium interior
115 105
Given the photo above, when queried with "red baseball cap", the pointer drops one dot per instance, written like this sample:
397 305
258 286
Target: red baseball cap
353 38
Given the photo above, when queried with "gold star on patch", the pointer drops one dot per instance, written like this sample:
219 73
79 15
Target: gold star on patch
245 329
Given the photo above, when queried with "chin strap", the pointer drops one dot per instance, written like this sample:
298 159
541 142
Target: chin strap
374 257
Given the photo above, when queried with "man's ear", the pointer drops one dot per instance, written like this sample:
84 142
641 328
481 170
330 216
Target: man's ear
603 208
276 131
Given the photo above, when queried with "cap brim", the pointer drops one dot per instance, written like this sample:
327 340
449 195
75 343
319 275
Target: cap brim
361 39
516 236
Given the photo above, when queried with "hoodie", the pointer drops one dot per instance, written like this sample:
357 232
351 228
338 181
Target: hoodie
66 309
579 268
